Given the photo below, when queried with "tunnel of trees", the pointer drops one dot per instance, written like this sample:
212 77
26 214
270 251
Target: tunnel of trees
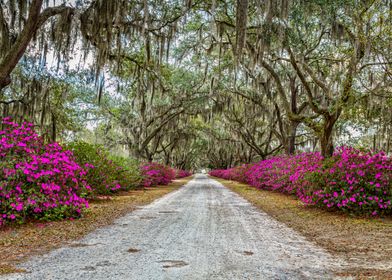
200 83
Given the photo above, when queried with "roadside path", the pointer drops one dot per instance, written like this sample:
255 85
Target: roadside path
201 231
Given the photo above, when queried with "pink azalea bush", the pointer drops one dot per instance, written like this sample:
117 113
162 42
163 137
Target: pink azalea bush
46 182
156 174
282 173
352 180
182 173
37 180
236 173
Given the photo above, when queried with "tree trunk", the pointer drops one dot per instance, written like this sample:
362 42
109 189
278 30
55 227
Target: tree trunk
134 152
292 131
54 128
326 139
290 148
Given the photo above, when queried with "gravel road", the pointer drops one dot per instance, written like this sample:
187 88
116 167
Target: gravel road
201 231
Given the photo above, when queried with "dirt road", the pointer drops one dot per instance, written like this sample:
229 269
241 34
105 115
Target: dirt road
202 231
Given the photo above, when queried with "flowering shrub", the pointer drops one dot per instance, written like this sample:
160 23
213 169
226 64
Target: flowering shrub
182 173
44 181
237 173
352 180
156 174
37 180
107 174
282 173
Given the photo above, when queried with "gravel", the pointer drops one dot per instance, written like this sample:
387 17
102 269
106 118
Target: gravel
201 231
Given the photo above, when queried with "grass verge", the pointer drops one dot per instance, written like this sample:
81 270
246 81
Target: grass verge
17 243
365 244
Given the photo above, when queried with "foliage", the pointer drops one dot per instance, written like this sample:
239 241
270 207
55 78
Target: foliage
352 180
206 84
182 173
47 182
156 174
107 174
129 175
37 180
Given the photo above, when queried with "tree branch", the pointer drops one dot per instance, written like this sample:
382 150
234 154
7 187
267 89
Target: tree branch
34 21
317 109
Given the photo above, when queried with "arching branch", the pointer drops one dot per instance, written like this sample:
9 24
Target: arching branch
34 21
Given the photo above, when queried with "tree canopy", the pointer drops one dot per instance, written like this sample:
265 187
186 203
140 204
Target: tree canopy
201 83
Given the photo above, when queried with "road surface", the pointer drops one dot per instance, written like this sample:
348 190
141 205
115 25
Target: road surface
201 231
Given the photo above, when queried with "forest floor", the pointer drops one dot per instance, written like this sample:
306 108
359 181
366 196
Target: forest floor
201 231
18 243
364 244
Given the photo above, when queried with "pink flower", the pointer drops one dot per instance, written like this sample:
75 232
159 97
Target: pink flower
19 207
339 184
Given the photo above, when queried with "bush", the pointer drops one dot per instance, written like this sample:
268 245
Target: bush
282 173
182 173
236 173
37 180
156 174
107 174
128 175
352 180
